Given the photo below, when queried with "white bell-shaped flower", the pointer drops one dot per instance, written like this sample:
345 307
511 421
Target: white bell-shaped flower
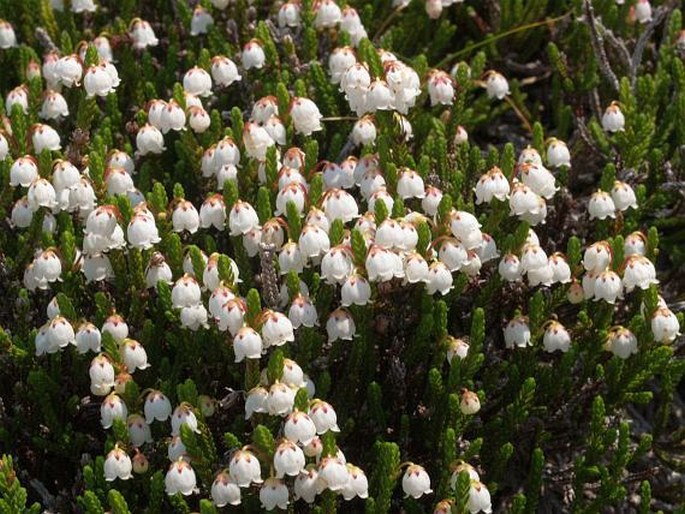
517 333
247 343
613 119
180 478
183 415
225 491
157 407
621 342
665 325
288 459
117 465
111 408
556 337
224 71
416 482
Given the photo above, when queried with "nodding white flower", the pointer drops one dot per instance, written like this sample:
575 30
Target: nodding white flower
49 70
340 60
294 158
488 250
185 217
118 181
305 116
638 272
102 221
597 256
231 316
242 218
292 374
172 117
142 232
117 465
303 312
382 195
54 106
69 70
340 325
339 176
333 473
379 97
101 374
194 317
601 206
273 493
288 176
496 86
469 403
328 14
8 39
112 408
201 21
293 192
290 258
224 71
155 108
24 171
288 459
466 228
431 200
460 136
22 214
44 137
338 204
289 15
613 119
4 147
133 354
183 415
313 242
355 291
416 482
186 292
253 55
355 82
97 81
556 337
538 179
18 96
410 185
157 270
225 491
141 34
307 485
104 48
213 212
364 131
336 265
88 338
197 82
561 271
492 184
434 9
299 428
149 140
116 326
64 175
415 268
180 479
138 431
228 172
220 295
473 265
544 275
352 24
533 257
440 88
276 130
276 329
264 108
557 153
256 140
665 325
452 254
517 333
47 268
621 342
255 401
247 343
324 416
383 264
244 468
623 196
358 484
97 268
642 11
157 407
479 498
176 449
314 448
456 348
635 244
79 6
280 400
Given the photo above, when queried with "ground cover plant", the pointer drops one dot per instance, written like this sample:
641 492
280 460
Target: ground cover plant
318 256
